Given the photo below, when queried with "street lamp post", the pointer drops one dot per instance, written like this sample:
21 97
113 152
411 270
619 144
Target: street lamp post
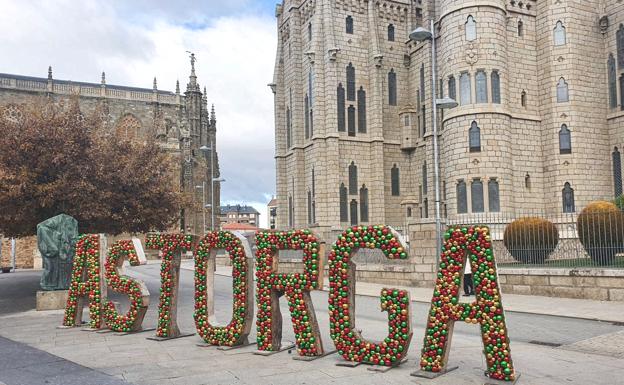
204 205
212 212
422 34
207 149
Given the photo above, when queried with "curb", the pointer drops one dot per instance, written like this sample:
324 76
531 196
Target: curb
507 311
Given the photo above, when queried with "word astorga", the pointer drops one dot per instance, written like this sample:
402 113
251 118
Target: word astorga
460 244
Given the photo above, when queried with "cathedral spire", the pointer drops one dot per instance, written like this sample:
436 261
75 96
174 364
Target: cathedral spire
193 86
177 87
103 81
49 72
205 98
155 84
213 116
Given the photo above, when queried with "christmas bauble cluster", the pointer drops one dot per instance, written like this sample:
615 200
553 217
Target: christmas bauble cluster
168 244
234 333
294 286
87 257
487 311
120 251
347 339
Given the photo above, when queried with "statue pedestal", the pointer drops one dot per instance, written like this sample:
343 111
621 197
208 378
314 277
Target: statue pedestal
51 300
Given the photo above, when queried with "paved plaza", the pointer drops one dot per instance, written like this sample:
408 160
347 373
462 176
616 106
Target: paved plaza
546 349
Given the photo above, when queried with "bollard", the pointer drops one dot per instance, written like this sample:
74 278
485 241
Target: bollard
13 254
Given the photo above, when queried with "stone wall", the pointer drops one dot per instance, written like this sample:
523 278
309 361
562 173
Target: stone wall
25 252
596 284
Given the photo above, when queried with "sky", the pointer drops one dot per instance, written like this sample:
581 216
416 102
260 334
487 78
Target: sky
134 41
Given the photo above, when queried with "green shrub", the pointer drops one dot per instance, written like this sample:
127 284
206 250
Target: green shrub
619 202
601 231
531 239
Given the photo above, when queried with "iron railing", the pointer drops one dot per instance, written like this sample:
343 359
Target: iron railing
553 240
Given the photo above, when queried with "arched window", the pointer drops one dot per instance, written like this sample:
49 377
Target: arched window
465 96
392 88
422 82
496 96
13 114
309 112
306 102
395 182
612 79
364 204
340 105
425 179
409 212
353 211
476 196
493 196
313 183
481 85
565 140
520 28
622 92
310 87
350 82
462 197
344 205
523 99
619 37
309 31
361 102
351 120
390 34
568 198
310 220
471 29
617 172
474 137
559 34
353 179
291 212
128 127
288 133
349 24
562 91
426 208
452 89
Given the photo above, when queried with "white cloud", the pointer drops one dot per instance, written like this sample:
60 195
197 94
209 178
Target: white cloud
235 55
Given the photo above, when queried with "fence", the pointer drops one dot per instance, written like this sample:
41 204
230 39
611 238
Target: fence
554 240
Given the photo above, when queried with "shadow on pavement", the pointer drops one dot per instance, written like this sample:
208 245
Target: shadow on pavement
21 364
18 291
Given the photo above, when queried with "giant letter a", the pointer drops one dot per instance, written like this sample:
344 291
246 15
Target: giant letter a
85 282
487 311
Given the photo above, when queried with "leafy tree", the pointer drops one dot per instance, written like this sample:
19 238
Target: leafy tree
619 202
55 160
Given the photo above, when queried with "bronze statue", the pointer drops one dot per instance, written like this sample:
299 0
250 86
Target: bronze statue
56 239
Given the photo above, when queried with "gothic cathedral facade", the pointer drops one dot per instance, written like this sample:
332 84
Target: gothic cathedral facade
182 124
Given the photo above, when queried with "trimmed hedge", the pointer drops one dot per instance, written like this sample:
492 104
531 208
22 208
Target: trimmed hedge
531 239
601 231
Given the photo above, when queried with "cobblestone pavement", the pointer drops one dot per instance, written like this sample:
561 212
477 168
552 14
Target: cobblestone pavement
590 351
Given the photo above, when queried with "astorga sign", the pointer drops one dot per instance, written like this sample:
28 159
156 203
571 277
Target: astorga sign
460 243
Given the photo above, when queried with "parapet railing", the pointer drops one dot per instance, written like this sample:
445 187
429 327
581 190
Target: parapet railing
87 90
